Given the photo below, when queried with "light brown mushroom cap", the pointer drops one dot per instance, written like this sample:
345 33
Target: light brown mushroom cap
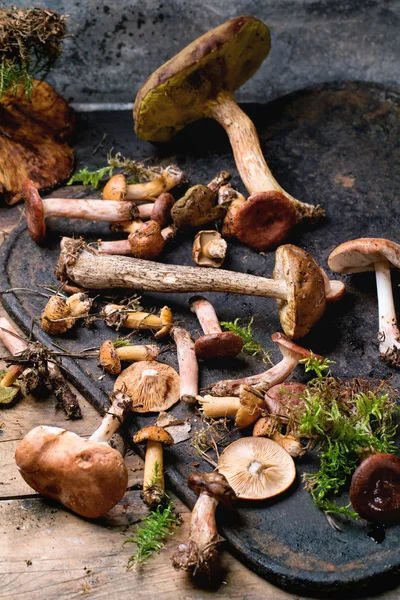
257 468
357 256
153 433
109 359
177 93
87 477
151 385
55 317
263 427
115 188
147 242
251 404
305 303
211 240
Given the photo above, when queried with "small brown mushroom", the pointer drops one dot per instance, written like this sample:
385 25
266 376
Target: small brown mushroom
160 212
145 242
209 249
246 409
215 343
375 489
285 398
121 316
117 187
264 427
200 553
110 356
152 386
199 205
188 367
60 313
257 468
153 476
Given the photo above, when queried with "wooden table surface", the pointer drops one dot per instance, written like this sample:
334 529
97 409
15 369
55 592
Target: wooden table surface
46 552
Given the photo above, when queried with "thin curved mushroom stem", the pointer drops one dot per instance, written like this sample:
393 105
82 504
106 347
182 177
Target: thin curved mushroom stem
188 366
121 404
389 334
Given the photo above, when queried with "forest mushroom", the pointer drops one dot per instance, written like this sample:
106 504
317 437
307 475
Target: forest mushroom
215 343
200 205
199 82
286 398
379 255
292 354
37 209
298 283
146 242
375 489
9 390
122 316
118 189
200 554
153 476
209 249
246 409
257 468
265 427
60 313
188 367
110 355
160 212
152 386
86 475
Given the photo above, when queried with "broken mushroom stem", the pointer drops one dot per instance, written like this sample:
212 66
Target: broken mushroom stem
121 316
117 187
60 313
200 553
188 367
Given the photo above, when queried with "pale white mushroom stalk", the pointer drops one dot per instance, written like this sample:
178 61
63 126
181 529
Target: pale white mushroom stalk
188 366
389 334
121 404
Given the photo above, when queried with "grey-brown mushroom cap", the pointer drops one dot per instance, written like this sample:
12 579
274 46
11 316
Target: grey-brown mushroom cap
177 92
357 256
153 433
305 303
213 484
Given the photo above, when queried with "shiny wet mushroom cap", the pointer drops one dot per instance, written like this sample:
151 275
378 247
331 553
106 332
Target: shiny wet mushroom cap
257 468
152 386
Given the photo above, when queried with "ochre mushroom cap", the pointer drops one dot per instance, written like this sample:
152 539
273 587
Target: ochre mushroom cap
115 188
251 405
34 211
87 477
213 484
218 345
151 385
108 358
357 256
153 433
305 303
263 427
178 92
55 317
257 468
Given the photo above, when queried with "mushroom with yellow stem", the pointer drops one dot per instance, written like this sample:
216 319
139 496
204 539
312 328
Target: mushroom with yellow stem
117 187
152 386
209 249
200 553
257 468
121 316
246 409
188 367
153 477
199 82
110 355
60 313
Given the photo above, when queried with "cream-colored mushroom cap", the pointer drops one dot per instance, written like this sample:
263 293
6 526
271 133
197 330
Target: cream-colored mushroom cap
151 385
209 249
357 256
257 468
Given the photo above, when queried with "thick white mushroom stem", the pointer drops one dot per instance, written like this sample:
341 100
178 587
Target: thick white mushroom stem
94 210
188 366
389 334
113 418
249 158
124 248
206 315
153 476
215 249
170 177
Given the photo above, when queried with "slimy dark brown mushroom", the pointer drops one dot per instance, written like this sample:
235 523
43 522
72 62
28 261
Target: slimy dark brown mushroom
117 187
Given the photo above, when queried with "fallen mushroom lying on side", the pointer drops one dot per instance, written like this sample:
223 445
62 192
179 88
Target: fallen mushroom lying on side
119 315
146 242
85 475
200 204
209 249
298 283
199 82
188 367
117 187
60 314
200 553
246 409
110 355
379 255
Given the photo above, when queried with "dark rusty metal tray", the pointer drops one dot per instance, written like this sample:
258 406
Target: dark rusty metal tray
337 145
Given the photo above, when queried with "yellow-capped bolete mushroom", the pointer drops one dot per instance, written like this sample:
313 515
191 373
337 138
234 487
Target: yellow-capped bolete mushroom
209 249
121 316
146 242
379 255
86 475
152 386
60 314
200 553
246 409
110 356
117 187
257 468
375 489
292 354
199 82
200 204
215 343
153 477
188 367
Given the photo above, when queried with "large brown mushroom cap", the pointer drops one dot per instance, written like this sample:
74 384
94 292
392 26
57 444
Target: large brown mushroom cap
213 484
305 302
153 433
285 398
218 345
177 93
108 358
257 468
151 385
87 477
357 256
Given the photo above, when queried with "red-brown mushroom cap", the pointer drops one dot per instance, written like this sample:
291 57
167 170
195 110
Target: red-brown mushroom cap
357 256
34 211
147 243
212 484
115 188
161 212
284 398
153 433
218 345
264 220
375 489
109 359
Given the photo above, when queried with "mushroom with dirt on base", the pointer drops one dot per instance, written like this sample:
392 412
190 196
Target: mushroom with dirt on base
119 315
